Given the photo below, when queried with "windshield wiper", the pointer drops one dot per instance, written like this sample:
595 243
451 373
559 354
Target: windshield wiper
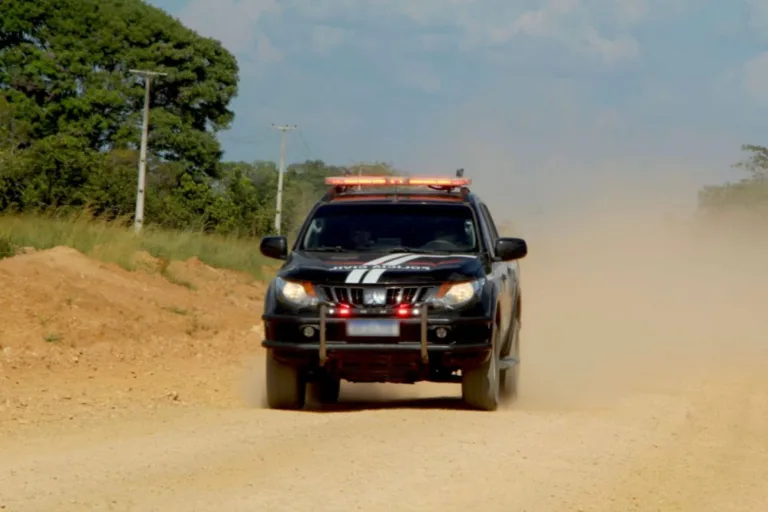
407 249
337 248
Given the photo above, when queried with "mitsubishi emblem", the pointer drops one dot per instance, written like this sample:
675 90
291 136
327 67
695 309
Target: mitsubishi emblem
374 296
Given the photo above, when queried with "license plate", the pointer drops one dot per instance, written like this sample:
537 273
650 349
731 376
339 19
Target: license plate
373 328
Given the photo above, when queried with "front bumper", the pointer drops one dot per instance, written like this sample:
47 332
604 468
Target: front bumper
466 339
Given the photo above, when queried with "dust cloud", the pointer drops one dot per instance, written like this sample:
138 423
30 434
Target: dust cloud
620 297
253 389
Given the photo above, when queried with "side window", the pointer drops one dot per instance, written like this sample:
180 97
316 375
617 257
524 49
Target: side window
491 224
488 228
315 230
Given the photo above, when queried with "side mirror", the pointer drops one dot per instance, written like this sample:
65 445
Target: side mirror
508 249
275 247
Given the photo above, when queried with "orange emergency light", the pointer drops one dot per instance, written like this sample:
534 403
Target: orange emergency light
396 180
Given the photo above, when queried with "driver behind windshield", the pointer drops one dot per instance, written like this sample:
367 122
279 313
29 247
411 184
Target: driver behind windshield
361 240
367 230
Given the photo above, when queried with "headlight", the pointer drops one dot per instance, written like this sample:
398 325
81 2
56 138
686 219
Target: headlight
458 294
296 293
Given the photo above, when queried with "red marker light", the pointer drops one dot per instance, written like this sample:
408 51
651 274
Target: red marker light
344 311
403 311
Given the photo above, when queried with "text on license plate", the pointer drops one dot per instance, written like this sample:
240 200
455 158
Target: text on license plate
373 327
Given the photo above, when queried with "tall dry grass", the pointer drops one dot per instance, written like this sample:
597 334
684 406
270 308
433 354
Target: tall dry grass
116 242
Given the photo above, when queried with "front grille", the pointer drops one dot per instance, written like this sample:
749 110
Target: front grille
394 295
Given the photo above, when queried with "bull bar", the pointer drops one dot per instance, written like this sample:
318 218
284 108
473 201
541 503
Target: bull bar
323 348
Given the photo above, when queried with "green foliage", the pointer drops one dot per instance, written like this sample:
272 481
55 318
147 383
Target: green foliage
71 112
747 195
757 163
7 248
65 68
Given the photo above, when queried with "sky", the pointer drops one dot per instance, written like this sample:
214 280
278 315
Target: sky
542 102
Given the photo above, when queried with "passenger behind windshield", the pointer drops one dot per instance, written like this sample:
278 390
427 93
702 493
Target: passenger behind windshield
440 228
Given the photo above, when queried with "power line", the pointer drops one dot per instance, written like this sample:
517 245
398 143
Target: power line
310 155
278 213
240 140
139 216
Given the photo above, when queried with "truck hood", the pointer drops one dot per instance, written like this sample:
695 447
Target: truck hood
380 268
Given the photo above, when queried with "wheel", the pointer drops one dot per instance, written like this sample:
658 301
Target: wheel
324 391
285 385
509 380
480 385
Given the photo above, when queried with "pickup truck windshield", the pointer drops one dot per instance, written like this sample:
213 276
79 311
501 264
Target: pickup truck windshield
359 227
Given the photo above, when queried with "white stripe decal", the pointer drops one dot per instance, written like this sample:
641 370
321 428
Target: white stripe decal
391 260
404 259
373 276
411 257
355 276
383 259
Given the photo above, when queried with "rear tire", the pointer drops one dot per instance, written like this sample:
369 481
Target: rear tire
286 388
480 386
324 391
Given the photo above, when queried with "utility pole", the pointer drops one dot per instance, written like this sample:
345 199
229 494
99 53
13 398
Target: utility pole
278 213
139 216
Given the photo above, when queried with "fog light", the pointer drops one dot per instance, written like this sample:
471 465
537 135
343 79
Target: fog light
309 331
441 332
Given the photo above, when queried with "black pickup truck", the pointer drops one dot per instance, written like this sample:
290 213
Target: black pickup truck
394 279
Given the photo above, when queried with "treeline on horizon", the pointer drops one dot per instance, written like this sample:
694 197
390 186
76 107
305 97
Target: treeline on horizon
70 125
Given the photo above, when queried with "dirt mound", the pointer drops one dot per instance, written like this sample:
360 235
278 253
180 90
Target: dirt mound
61 297
68 319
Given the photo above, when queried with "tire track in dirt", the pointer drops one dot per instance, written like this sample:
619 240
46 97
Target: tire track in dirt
408 459
402 458
716 460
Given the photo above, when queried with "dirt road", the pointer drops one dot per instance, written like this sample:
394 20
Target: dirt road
644 389
701 448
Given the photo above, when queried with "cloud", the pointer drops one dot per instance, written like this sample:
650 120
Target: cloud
326 38
632 11
544 22
265 50
755 78
476 25
611 51
758 16
233 22
416 76
578 26
600 28
517 89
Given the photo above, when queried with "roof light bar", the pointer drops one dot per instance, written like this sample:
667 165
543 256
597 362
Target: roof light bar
395 180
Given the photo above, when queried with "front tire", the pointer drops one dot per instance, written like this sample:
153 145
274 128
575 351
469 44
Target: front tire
480 386
510 378
286 388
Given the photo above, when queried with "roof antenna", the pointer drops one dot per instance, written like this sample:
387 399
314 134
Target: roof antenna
460 173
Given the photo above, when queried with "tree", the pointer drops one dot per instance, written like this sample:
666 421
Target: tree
64 66
70 120
749 194
757 163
